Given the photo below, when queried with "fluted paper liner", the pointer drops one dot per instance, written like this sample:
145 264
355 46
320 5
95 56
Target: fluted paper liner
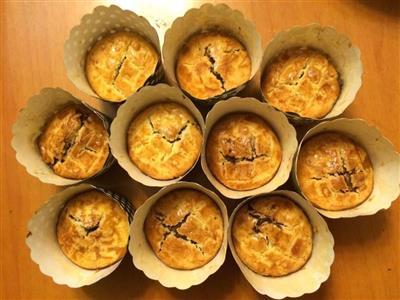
211 17
44 247
29 125
278 123
316 270
146 97
344 55
92 28
385 162
144 258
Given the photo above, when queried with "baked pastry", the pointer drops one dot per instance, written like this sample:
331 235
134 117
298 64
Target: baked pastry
185 229
164 140
302 81
120 64
334 172
212 63
272 236
93 230
74 143
242 151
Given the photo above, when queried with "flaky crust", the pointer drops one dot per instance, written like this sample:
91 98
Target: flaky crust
74 143
119 64
272 236
93 230
164 140
242 151
302 81
334 172
185 229
212 63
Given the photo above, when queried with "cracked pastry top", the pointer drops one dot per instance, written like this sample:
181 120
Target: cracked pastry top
272 236
242 151
74 143
120 64
185 229
210 64
93 230
302 81
164 140
334 172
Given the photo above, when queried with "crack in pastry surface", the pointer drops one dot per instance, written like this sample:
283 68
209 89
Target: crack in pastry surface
242 151
211 59
272 235
334 172
74 142
88 229
187 224
164 140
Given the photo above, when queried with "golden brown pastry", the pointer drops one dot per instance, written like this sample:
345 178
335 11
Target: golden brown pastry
120 64
74 143
212 63
272 236
242 151
302 81
334 172
185 229
164 140
93 230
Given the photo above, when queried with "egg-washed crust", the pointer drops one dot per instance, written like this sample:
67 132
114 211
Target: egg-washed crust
185 229
212 63
302 81
74 143
242 151
164 140
120 64
334 172
93 230
272 236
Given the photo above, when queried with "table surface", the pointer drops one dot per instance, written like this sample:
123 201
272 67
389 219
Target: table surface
367 263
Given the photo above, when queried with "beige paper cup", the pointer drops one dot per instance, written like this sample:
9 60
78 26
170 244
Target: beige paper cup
310 277
144 258
127 111
207 18
92 28
385 162
28 127
45 250
280 125
345 56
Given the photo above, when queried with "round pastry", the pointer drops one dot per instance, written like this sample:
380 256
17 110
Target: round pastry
334 172
120 64
185 229
93 230
302 81
272 236
74 143
242 151
164 140
212 63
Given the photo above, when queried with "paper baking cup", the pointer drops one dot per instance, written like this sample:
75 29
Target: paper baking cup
385 162
146 97
344 55
210 17
29 125
279 124
44 247
92 28
310 277
144 258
